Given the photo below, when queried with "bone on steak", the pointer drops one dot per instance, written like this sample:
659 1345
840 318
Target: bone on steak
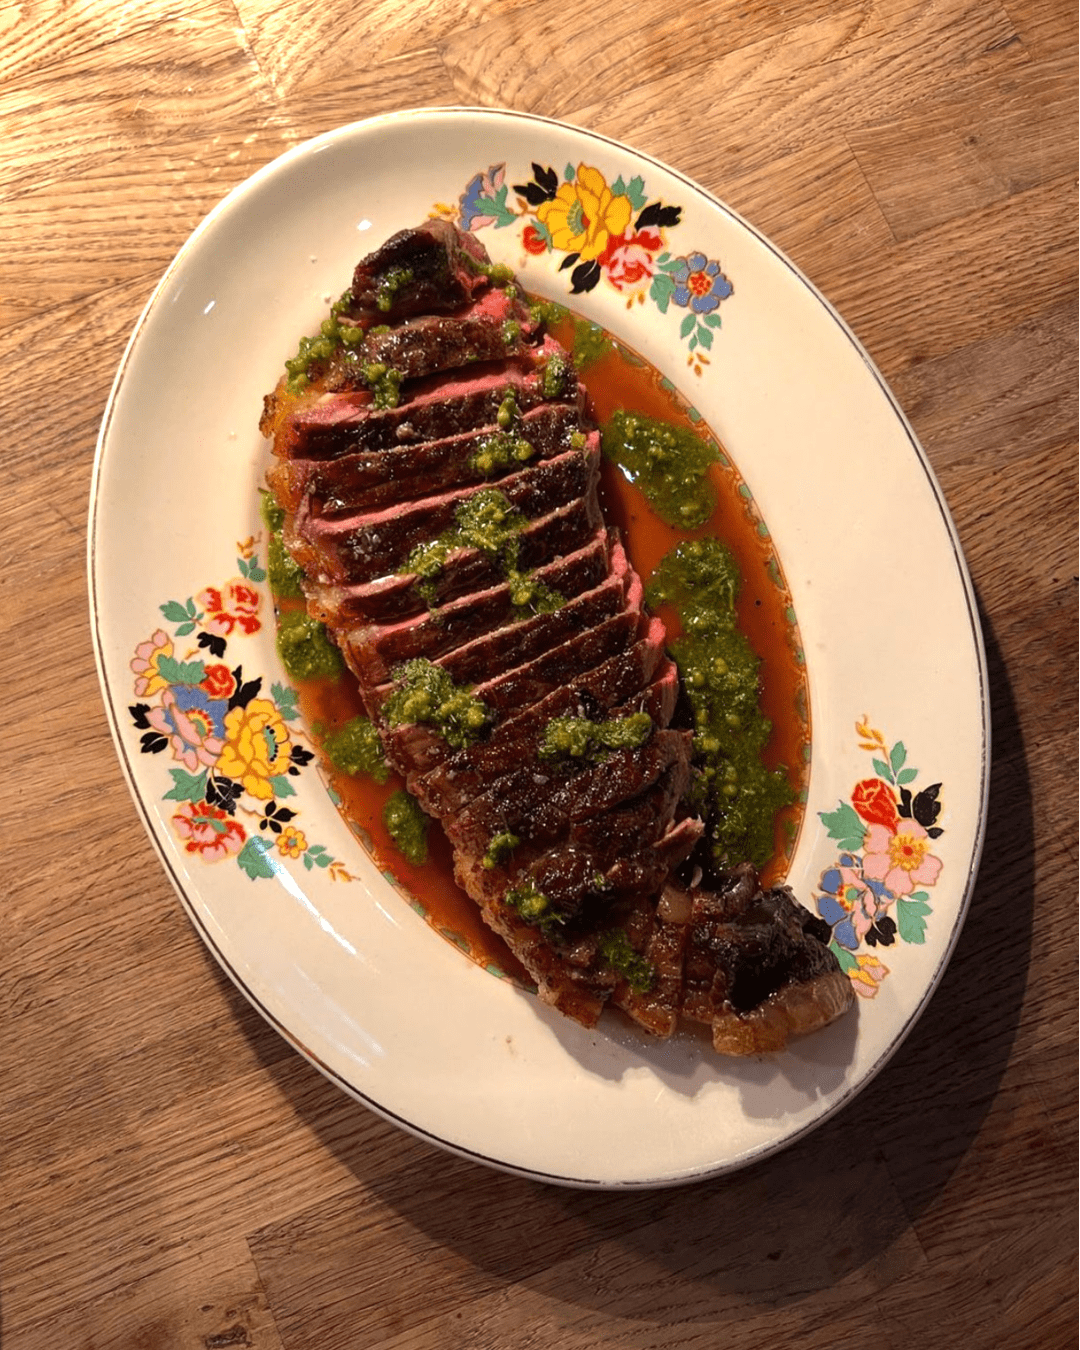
485 401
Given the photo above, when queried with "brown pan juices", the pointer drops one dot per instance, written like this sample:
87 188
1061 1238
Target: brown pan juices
618 379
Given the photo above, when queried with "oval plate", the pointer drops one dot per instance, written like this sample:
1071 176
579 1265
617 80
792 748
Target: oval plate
205 723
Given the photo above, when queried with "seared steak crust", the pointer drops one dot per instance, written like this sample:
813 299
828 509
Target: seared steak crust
569 843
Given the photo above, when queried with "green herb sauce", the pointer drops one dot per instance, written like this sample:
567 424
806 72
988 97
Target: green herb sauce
427 694
489 522
407 826
548 312
591 343
578 738
305 648
355 748
273 515
618 955
392 281
385 384
558 379
500 450
667 463
528 593
314 351
508 411
736 794
534 907
284 573
500 848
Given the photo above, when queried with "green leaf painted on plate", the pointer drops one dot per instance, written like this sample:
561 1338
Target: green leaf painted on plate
254 859
181 672
844 958
911 920
187 787
845 826
285 701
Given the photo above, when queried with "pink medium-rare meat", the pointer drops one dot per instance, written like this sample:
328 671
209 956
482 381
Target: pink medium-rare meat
401 473
438 472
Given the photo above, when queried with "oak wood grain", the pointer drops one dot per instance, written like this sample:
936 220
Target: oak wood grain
174 1176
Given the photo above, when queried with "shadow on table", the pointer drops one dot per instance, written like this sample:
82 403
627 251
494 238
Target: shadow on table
833 1203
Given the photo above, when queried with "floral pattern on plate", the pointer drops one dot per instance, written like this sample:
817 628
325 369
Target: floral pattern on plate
873 893
613 233
235 748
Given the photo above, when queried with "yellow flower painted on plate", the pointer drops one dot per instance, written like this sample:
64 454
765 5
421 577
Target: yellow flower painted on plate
291 842
256 749
585 214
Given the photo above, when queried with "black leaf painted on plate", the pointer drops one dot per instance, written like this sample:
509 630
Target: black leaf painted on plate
138 713
547 178
214 645
299 755
244 693
658 214
223 793
883 932
585 277
926 808
904 809
569 261
533 193
935 831
153 742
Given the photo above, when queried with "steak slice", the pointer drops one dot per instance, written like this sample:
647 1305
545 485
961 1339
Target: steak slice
403 473
566 538
441 405
372 544
539 803
493 327
447 788
420 748
377 648
433 268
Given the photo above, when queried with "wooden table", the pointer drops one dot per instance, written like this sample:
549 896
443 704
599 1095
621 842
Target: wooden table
173 1174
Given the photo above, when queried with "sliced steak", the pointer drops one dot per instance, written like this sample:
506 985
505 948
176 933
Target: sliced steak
440 406
462 528
452 784
421 748
376 649
433 268
520 642
370 544
565 538
403 473
494 327
542 802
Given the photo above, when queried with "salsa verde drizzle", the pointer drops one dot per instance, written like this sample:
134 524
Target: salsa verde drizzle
737 796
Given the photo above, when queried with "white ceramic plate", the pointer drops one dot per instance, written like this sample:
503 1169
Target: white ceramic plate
341 964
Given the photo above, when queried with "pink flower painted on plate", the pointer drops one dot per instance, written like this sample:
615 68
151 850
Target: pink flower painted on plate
630 259
208 831
192 723
148 678
867 974
900 859
235 605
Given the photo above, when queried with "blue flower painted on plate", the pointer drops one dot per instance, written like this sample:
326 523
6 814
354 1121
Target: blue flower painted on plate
699 283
